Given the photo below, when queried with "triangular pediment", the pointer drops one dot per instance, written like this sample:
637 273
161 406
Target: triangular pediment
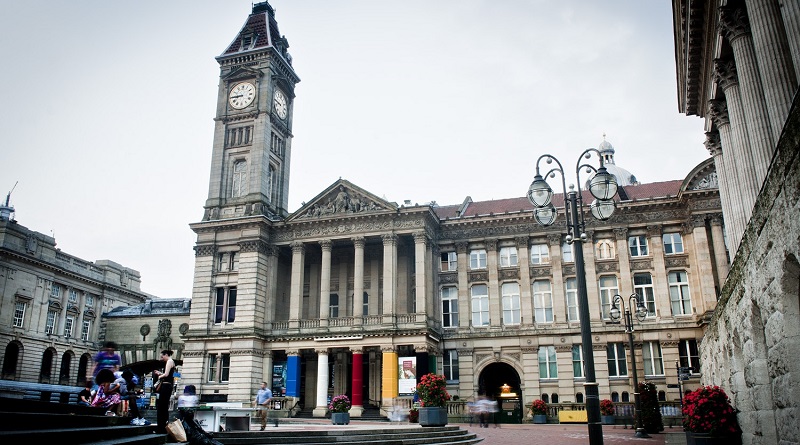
341 199
242 72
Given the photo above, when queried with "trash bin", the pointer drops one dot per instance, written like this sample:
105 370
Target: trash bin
237 423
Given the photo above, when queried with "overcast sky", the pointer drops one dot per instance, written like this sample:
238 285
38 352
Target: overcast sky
107 107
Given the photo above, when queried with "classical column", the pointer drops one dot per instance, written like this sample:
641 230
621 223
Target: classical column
325 283
420 271
704 263
725 75
495 300
272 283
266 373
292 373
389 276
714 147
720 253
464 313
729 187
734 25
358 280
771 47
660 285
525 298
357 383
389 370
790 13
558 292
296 286
623 256
323 379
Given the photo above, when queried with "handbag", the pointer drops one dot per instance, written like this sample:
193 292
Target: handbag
176 431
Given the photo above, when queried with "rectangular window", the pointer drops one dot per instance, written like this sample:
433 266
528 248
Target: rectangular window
225 305
617 364
679 296
511 312
566 253
50 324
672 243
224 367
540 254
449 261
542 301
508 256
477 259
450 365
73 296
608 288
643 286
55 291
333 312
233 262
68 323
212 367
638 245
653 363
85 330
449 307
19 313
577 361
365 304
89 300
480 305
548 369
689 357
573 313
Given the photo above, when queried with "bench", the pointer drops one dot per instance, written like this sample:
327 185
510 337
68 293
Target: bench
43 392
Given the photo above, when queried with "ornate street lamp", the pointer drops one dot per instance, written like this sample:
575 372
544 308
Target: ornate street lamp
603 187
641 313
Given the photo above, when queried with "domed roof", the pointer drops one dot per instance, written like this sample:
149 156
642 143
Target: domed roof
624 177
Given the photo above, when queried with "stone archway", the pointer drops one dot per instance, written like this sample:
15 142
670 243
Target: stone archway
491 382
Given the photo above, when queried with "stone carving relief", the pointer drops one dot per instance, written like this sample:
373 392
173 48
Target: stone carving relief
537 272
163 339
708 182
345 201
677 262
32 243
478 276
509 274
448 278
641 265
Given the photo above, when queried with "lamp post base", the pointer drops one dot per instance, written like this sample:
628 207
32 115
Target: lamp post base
641 433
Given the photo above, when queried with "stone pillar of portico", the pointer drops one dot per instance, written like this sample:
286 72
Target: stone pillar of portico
357 383
526 301
559 304
358 281
325 283
389 277
726 173
702 255
720 253
464 315
389 368
623 253
736 28
266 373
272 283
296 286
790 13
323 379
420 271
748 187
495 299
771 45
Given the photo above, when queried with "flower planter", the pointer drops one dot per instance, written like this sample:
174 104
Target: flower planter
433 416
540 418
340 418
607 420
712 439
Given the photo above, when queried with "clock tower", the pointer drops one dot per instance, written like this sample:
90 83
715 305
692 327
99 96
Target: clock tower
253 123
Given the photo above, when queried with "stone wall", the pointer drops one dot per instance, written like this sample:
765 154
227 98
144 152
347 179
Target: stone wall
752 344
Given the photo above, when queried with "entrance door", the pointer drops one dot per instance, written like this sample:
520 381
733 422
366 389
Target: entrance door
501 383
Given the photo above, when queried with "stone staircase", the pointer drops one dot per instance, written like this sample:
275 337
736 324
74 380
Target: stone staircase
29 421
411 435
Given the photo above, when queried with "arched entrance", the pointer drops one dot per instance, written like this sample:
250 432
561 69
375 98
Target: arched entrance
500 382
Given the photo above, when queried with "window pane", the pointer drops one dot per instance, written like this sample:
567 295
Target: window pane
231 304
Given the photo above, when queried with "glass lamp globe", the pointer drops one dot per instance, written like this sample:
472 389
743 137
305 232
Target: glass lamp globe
540 193
603 185
545 216
603 209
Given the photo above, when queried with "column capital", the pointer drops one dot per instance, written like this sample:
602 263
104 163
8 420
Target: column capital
293 352
713 143
358 242
321 351
716 219
554 239
326 245
718 112
357 349
389 239
461 246
654 230
725 73
298 247
733 22
522 241
420 238
687 227
207 250
697 221
388 349
491 244
621 233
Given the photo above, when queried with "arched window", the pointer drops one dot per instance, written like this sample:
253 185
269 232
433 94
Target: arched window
83 369
271 183
239 185
63 373
10 361
662 396
605 249
546 398
615 397
47 365
554 398
579 398
625 396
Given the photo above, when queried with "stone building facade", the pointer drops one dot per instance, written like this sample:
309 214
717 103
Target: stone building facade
354 294
738 65
52 304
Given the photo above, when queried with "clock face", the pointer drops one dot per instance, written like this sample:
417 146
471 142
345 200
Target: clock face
242 95
281 104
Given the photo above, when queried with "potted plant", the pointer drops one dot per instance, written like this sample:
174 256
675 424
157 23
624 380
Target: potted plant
651 412
607 411
539 411
413 415
709 418
433 397
339 408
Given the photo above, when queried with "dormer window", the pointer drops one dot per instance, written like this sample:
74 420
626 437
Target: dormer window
248 40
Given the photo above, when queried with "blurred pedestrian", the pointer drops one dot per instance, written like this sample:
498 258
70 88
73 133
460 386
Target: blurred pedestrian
163 386
263 397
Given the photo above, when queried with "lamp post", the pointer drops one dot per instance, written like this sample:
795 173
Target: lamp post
641 312
603 186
